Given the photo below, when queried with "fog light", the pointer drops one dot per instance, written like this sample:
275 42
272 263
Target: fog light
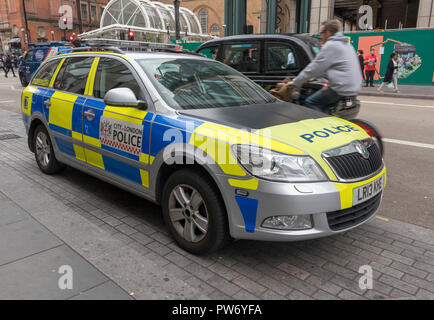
288 222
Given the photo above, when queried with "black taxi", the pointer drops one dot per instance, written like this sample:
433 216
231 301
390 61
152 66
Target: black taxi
265 58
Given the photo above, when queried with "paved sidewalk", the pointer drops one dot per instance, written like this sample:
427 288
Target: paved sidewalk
114 239
31 257
406 91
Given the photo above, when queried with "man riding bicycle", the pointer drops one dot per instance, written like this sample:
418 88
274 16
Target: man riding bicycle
338 63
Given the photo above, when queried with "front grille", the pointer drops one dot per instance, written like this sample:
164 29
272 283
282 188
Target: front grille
343 219
353 165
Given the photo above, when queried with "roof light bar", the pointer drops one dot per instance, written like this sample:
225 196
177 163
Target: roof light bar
132 45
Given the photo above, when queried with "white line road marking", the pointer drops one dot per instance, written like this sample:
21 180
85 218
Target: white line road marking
398 104
410 143
7 101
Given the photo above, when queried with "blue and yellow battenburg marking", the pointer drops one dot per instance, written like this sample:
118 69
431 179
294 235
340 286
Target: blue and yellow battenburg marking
66 118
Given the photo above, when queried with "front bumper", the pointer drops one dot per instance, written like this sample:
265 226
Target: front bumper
276 199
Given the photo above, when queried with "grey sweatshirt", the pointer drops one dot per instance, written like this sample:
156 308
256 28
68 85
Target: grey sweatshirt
337 62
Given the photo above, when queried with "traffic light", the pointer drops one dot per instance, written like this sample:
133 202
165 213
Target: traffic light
71 38
131 35
65 21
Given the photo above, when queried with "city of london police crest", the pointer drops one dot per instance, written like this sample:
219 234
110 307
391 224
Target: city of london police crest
121 135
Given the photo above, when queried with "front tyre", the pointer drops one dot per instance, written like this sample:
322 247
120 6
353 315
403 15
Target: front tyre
194 212
44 152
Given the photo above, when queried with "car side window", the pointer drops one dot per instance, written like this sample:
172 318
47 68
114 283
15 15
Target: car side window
243 57
73 75
112 73
44 75
280 57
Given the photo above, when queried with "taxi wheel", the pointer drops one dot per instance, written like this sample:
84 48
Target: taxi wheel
44 152
194 212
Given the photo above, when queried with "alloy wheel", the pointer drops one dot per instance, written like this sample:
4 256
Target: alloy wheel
188 213
43 149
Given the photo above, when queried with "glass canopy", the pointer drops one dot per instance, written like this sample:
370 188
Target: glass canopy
150 17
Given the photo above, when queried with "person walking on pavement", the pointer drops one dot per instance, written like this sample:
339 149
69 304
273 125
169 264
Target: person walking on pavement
15 61
8 65
362 62
2 63
391 73
370 62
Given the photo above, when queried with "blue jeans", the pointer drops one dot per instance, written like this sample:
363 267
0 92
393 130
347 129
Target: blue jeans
322 100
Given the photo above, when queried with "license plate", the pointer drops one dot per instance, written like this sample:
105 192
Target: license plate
367 191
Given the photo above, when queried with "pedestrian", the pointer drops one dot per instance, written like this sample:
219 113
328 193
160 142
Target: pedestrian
8 65
370 62
362 62
15 61
391 73
2 63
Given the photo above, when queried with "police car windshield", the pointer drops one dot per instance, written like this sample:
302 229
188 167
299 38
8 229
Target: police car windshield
199 84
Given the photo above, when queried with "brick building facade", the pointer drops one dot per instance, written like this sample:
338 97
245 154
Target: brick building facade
43 16
43 20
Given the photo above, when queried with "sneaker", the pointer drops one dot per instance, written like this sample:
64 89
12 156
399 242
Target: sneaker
379 90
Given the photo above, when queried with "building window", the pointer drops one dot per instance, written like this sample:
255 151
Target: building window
215 30
93 15
203 17
84 12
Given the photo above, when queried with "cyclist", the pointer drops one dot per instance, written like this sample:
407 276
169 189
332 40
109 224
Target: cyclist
338 63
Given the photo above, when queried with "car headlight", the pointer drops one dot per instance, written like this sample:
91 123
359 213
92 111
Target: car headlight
271 165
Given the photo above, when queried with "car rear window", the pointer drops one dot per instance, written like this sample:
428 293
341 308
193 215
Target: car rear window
313 43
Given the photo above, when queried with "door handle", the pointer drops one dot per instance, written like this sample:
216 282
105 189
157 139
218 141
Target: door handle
47 103
90 115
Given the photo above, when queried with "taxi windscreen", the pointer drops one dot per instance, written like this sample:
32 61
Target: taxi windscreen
201 84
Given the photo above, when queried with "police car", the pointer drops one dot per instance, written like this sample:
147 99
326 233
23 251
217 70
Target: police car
224 158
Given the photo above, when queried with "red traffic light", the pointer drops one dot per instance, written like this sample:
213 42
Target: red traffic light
131 35
71 38
65 20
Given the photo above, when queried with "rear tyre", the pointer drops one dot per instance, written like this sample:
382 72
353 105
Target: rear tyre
372 131
194 212
44 153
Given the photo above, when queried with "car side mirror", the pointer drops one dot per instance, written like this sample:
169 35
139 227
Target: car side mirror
123 97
